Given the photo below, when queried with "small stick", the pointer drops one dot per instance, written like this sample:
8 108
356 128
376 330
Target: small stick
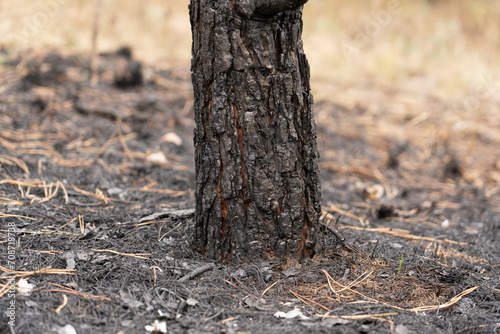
196 272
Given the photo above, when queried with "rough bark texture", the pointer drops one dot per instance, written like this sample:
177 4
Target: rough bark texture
257 175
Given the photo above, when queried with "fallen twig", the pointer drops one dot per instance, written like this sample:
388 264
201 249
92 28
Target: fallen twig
196 272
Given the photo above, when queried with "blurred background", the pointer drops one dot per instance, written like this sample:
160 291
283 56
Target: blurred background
449 47
430 67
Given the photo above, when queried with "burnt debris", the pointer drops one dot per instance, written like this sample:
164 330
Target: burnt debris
127 71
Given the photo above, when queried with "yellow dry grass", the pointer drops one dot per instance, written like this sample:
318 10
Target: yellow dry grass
443 46
158 30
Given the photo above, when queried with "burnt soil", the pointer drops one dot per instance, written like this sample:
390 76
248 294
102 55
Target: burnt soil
96 197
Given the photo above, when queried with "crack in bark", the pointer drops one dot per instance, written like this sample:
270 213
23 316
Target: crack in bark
242 148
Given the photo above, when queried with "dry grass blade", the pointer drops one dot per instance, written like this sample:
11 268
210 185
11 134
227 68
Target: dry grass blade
4 289
305 300
7 144
352 169
357 281
492 192
403 234
138 256
66 199
268 288
450 303
72 163
99 195
53 252
332 207
8 201
114 139
171 230
149 222
174 193
21 183
331 287
51 194
242 288
81 223
37 232
494 289
107 143
358 316
74 292
23 135
72 220
15 161
63 305
48 191
4 215
46 270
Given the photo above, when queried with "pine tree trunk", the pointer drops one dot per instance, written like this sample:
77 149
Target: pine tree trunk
257 175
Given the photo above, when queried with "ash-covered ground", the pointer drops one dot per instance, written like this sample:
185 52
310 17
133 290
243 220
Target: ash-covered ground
96 197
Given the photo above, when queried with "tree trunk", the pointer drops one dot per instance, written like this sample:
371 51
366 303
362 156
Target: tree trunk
257 175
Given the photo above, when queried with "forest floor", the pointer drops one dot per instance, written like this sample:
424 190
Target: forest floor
96 198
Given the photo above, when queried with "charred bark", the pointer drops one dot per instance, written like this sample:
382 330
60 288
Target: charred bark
257 175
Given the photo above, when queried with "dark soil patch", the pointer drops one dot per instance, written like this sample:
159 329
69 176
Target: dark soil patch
96 196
